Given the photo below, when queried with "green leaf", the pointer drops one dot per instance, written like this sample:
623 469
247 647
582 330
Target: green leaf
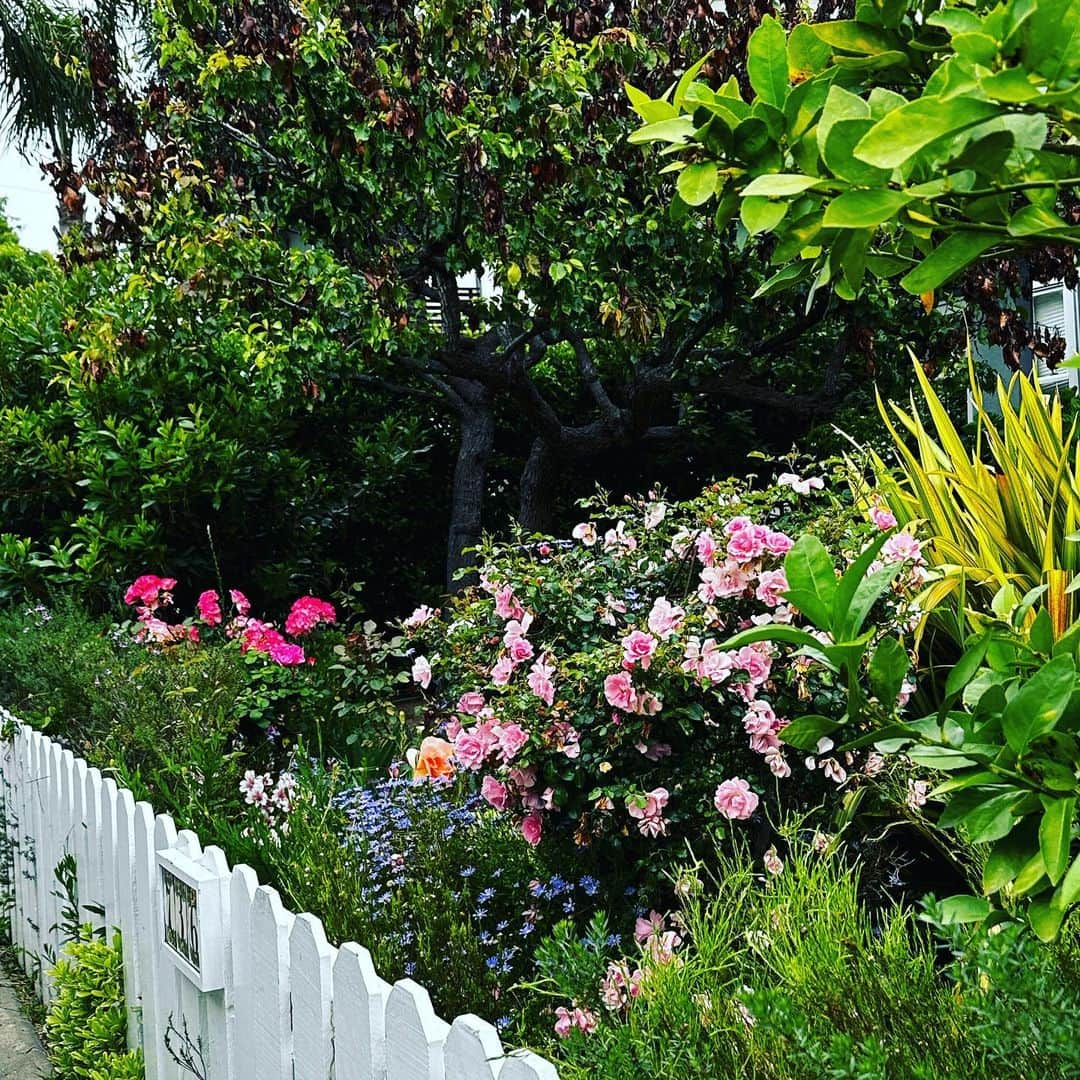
1007 858
652 111
697 182
951 256
1038 704
1034 221
963 909
990 820
811 580
766 62
688 77
677 129
1055 835
854 36
863 209
888 666
805 732
783 279
807 54
1045 917
773 184
760 215
964 669
902 133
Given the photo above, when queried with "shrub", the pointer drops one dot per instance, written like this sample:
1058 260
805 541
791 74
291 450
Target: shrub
86 1024
584 681
771 968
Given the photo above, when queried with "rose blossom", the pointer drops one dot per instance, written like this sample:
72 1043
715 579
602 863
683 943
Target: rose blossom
471 749
772 584
745 545
506 604
539 680
665 618
883 518
501 672
532 826
433 760
648 810
706 548
585 531
638 647
421 671
797 483
778 543
420 616
520 650
286 654
735 800
495 792
511 738
619 691
902 547
471 703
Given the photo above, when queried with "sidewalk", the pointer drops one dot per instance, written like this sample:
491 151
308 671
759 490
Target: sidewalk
21 1056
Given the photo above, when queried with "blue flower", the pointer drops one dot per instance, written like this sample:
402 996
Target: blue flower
590 885
486 895
467 871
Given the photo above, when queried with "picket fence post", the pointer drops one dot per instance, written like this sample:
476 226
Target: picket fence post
281 1002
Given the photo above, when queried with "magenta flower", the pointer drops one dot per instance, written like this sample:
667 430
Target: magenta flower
306 613
532 827
209 606
638 647
619 691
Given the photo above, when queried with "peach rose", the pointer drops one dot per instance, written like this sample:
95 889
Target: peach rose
433 761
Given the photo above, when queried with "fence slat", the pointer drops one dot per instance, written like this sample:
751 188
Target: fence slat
311 962
126 901
239 987
109 795
359 1016
473 1050
525 1065
42 854
414 1034
165 1006
270 928
95 897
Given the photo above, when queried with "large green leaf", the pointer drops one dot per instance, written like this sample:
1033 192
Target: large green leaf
1055 835
888 666
811 580
905 131
697 182
1037 706
952 255
766 63
676 129
805 732
775 184
963 909
1007 858
863 209
856 37
760 214
987 820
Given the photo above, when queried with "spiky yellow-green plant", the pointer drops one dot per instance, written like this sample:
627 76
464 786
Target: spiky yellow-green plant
1001 512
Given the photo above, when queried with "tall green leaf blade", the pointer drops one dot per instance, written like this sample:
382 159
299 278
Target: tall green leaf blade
1055 835
811 580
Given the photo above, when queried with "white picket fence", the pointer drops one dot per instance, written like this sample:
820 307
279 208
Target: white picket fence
290 1007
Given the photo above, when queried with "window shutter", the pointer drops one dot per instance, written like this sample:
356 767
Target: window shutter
1049 313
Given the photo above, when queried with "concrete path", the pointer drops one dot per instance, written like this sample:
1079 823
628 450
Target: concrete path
21 1056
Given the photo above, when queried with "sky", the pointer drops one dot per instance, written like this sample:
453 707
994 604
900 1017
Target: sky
31 204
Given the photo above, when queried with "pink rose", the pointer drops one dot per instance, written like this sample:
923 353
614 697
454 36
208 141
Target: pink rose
902 547
735 800
638 647
665 618
619 691
532 826
520 650
470 749
421 671
506 605
772 584
778 543
722 581
471 703
585 531
706 548
511 738
540 681
420 616
884 519
495 792
501 672
745 545
209 607
736 524
564 1021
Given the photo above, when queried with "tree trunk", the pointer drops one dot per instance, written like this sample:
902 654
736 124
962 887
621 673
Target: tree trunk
470 480
535 507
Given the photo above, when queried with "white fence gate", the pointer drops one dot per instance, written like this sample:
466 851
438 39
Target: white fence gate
279 1003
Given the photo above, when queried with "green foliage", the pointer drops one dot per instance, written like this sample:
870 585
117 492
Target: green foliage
781 976
149 419
912 139
1003 514
86 1025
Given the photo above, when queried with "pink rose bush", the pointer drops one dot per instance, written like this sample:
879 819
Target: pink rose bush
585 683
